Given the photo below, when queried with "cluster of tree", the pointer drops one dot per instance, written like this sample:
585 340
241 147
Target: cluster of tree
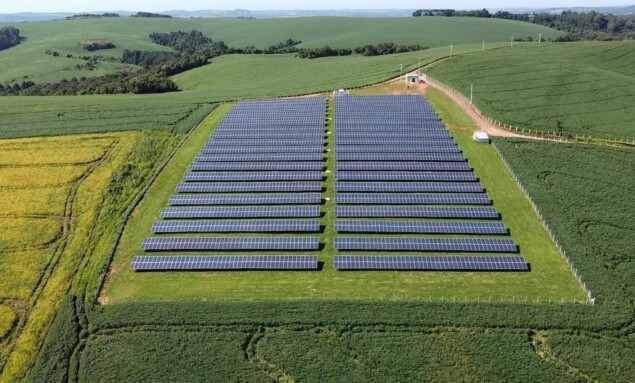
121 82
52 53
325 51
9 37
289 46
151 15
164 63
95 45
578 26
387 49
92 16
190 43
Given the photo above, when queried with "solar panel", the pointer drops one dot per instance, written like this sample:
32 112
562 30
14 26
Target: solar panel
217 149
387 141
412 199
405 176
416 212
426 244
403 166
248 187
229 243
259 157
433 263
253 176
248 226
241 212
243 199
396 149
419 227
399 157
265 142
257 166
406 187
241 262
393 134
281 134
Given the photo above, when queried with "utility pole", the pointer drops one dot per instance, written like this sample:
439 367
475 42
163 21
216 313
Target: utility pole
483 47
451 49
512 44
419 70
401 70
471 93
539 38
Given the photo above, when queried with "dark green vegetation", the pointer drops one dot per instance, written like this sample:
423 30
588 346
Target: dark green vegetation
585 88
98 44
9 37
133 34
49 116
319 341
151 15
91 16
578 26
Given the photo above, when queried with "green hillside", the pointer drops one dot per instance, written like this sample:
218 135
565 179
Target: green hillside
588 86
132 33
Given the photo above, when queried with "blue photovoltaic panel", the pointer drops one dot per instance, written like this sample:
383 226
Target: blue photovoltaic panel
282 135
257 166
399 157
241 212
412 199
403 166
259 157
241 262
263 149
252 176
245 226
438 263
405 176
412 187
264 142
229 243
388 141
419 227
246 199
394 134
248 187
426 244
416 212
396 149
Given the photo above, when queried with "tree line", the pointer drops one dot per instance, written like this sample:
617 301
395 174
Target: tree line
577 26
366 50
91 16
9 37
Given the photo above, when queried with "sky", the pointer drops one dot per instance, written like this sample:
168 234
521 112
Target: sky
8 6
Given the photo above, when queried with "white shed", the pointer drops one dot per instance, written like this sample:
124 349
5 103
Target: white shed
481 137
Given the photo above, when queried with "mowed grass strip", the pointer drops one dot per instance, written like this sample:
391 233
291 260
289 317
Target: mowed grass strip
585 88
549 279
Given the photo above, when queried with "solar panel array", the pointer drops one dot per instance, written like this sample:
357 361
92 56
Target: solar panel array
395 159
261 171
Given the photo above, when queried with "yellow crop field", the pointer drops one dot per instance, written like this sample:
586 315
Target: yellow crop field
53 195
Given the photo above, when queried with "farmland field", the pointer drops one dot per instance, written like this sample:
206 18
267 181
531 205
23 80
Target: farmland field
586 88
56 195
550 278
127 33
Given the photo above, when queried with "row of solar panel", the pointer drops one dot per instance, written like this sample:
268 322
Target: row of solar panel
442 157
246 199
420 227
255 176
409 187
259 157
249 187
265 142
471 245
449 148
403 166
218 149
224 226
405 176
241 212
416 212
257 166
341 262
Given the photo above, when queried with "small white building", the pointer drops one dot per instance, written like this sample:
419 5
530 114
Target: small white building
481 137
412 78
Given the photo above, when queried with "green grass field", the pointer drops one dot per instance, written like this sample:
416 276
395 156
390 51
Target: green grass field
132 33
588 86
549 278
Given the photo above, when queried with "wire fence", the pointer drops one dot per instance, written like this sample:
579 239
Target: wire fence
543 221
546 135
